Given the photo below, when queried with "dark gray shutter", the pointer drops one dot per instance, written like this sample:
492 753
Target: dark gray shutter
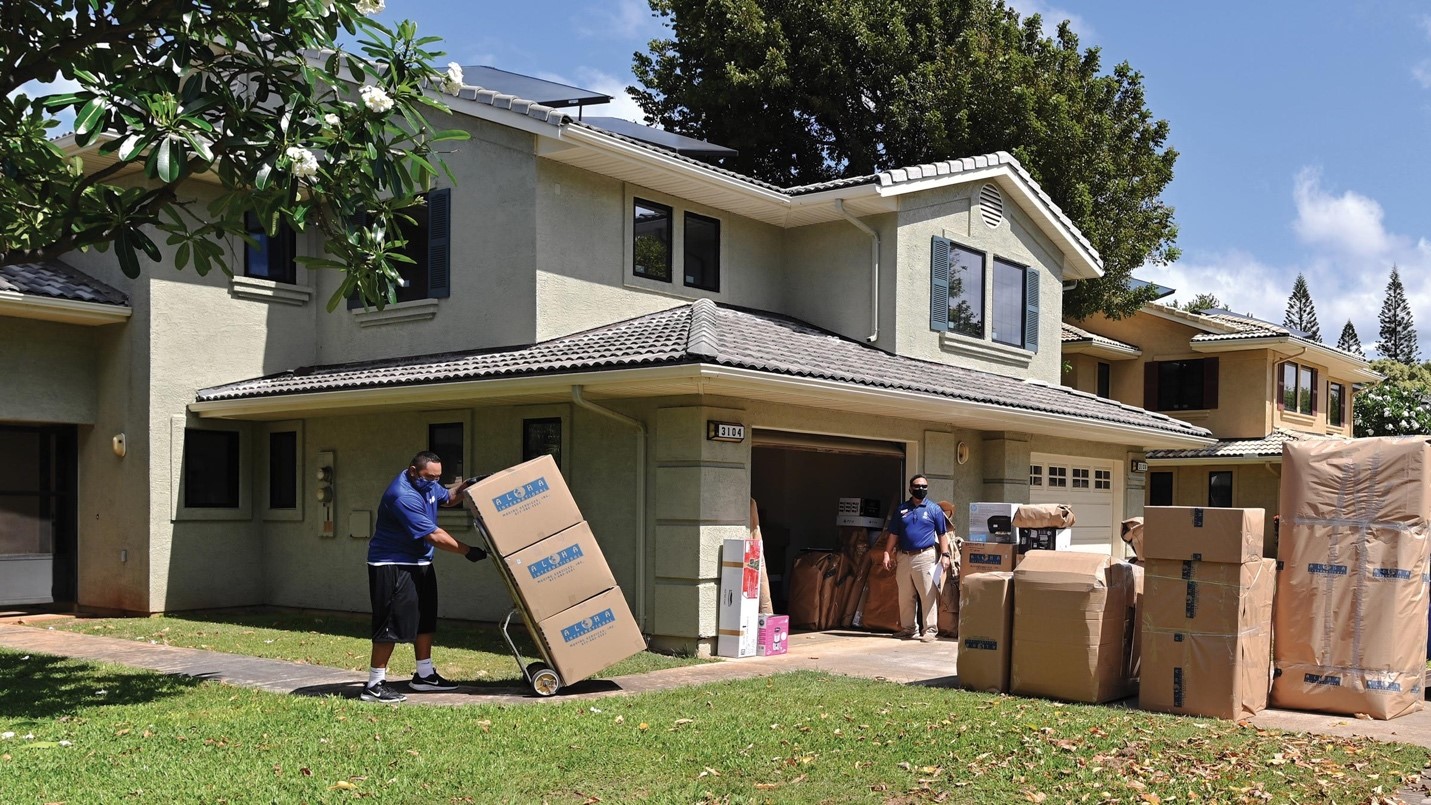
1031 309
939 285
355 300
439 243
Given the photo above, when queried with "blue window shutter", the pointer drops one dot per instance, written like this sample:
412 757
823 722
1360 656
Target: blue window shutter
939 285
439 243
1031 309
355 300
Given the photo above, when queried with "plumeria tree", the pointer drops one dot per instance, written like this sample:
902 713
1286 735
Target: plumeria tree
258 98
1398 405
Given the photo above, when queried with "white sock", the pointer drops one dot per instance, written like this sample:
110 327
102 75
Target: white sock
376 675
425 668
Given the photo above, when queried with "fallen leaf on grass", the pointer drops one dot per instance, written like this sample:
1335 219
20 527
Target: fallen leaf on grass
341 784
1035 796
643 726
708 771
485 725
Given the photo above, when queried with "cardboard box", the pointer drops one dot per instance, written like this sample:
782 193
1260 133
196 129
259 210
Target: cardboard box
860 512
992 522
1208 597
986 557
739 610
591 636
1215 675
1349 623
986 621
560 572
773 635
1044 539
1073 627
1233 536
522 505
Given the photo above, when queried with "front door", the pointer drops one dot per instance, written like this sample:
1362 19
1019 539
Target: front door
37 514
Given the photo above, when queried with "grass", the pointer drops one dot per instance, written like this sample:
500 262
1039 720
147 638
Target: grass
467 652
89 733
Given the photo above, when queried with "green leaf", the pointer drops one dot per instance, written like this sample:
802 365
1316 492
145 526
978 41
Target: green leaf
261 177
91 116
181 256
128 259
450 134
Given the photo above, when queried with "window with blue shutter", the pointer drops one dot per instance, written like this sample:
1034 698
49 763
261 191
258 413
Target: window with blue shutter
439 243
939 285
1031 309
1010 303
428 237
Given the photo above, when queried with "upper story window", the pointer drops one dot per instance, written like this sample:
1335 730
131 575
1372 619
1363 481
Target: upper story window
702 252
660 251
428 237
1186 385
652 240
1105 380
1336 404
959 286
269 257
1297 388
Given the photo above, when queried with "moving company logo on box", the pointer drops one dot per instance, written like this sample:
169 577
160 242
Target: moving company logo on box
1383 684
521 494
986 559
982 645
1318 569
1391 573
565 556
586 626
1322 679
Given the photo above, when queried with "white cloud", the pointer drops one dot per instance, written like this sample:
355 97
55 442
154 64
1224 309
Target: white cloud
620 19
1349 223
1425 21
621 105
1422 73
1053 15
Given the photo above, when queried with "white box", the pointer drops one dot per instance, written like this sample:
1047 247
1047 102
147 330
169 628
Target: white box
1000 530
739 611
857 521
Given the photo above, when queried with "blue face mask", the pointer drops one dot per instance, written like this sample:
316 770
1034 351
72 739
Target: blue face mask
423 485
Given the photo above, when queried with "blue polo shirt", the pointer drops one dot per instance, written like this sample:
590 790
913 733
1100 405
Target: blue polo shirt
917 525
405 517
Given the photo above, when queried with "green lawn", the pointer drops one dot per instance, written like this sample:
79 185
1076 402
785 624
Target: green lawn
465 652
94 733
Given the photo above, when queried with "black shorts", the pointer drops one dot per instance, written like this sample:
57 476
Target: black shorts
404 601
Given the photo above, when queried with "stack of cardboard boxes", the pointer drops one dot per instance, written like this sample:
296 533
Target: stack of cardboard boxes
556 570
738 617
1001 533
1207 612
1351 593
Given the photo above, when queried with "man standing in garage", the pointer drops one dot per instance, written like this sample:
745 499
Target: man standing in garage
916 542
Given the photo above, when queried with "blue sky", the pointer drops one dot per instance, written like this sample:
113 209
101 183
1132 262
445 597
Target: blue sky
1301 128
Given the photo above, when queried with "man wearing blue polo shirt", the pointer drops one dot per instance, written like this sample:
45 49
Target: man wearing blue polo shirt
402 582
916 543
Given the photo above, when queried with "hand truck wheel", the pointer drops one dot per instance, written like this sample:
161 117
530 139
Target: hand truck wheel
545 681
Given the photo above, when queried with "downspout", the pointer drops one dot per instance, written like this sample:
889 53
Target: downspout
874 266
640 495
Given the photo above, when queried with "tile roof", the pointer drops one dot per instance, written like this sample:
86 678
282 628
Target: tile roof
1077 335
1224 325
58 281
704 332
1268 446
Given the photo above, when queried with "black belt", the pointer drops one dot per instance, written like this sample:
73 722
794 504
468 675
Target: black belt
917 550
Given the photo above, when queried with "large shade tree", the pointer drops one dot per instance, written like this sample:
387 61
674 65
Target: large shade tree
259 96
810 91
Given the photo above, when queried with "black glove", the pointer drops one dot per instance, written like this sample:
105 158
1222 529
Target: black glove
475 554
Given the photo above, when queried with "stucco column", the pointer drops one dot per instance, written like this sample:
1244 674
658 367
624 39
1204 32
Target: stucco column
702 497
1006 467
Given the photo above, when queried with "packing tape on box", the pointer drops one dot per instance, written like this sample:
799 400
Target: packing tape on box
1193 584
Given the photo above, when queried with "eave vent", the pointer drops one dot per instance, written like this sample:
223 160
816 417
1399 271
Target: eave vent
991 205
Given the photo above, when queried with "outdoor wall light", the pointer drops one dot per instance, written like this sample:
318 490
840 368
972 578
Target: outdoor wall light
961 452
118 445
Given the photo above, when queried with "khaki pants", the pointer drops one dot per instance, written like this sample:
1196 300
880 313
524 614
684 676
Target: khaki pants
915 574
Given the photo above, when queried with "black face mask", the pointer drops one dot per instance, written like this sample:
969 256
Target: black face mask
919 494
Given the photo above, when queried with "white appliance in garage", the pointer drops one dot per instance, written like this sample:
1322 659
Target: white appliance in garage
1093 487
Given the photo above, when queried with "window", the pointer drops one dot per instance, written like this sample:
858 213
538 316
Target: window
702 252
428 237
1102 479
1160 489
1297 388
541 437
1080 477
1035 475
283 469
1336 404
445 439
1187 385
1105 380
1219 489
269 257
1058 477
211 469
957 287
651 245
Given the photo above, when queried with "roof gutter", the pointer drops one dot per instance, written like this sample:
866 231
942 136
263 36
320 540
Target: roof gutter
65 311
640 495
874 267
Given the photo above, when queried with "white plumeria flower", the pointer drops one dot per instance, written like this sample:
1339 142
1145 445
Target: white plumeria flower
453 82
370 7
331 120
376 99
67 743
302 163
7 735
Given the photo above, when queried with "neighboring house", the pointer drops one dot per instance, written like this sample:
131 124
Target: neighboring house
583 293
1254 384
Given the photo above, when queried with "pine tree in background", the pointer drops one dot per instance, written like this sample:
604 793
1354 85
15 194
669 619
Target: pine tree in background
1398 334
1350 341
1301 313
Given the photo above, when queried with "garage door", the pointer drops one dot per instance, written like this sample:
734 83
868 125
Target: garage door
1092 487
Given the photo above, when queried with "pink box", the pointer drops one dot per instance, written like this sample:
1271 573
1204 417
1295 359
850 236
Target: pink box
773 636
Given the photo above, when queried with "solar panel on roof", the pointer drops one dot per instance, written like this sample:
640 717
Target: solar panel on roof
681 144
547 93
